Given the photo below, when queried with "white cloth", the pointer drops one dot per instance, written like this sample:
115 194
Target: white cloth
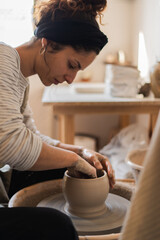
143 219
134 136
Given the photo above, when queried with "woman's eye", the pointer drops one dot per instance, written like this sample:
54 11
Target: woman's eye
71 66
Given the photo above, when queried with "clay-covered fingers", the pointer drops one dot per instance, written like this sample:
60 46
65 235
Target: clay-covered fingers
91 157
106 164
74 173
100 162
112 180
83 166
108 167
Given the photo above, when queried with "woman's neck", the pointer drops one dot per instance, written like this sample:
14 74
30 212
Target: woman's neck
27 53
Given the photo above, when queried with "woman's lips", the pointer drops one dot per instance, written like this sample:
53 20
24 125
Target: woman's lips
56 81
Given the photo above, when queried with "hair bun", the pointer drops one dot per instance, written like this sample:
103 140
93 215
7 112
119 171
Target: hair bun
90 7
94 7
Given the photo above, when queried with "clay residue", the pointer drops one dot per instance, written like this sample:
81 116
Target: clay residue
76 174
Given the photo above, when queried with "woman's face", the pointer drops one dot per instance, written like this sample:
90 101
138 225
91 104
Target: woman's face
57 67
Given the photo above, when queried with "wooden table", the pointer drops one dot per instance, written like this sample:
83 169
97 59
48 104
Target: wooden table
67 101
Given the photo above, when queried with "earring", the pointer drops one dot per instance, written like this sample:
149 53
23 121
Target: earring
42 50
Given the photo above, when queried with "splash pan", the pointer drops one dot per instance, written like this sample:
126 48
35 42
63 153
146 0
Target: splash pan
109 222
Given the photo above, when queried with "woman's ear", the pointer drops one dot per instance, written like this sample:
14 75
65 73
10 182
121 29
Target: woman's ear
44 42
43 46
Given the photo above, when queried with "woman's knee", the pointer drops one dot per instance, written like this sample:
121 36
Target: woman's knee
38 223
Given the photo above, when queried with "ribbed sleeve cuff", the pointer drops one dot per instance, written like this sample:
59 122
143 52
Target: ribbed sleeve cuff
50 141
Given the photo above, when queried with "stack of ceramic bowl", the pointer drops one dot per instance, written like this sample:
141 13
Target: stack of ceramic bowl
121 81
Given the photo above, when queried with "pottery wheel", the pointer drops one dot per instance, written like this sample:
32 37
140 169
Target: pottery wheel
109 222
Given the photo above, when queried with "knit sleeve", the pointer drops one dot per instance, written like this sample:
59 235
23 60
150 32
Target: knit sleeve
19 146
29 122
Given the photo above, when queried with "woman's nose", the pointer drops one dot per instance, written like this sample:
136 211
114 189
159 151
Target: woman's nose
70 77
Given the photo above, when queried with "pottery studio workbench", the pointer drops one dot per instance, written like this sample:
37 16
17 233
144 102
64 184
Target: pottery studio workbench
70 100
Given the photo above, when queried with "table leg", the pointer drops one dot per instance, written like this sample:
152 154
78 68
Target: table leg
66 129
124 121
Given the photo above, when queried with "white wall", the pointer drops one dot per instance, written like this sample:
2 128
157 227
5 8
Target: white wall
146 19
117 26
123 20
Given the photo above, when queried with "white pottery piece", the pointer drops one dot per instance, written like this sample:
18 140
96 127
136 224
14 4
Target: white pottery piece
135 159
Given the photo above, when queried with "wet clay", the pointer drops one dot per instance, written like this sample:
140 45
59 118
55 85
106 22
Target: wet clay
87 202
86 197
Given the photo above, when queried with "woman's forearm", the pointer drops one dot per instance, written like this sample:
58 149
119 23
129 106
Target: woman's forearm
54 157
73 148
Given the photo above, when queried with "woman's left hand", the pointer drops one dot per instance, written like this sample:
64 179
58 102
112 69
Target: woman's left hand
96 159
99 161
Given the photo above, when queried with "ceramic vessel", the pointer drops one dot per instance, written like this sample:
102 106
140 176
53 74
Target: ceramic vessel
85 197
135 159
155 79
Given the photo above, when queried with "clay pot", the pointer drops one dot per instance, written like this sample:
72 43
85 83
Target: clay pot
85 197
155 79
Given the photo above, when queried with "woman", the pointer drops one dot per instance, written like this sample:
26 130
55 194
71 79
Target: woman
67 39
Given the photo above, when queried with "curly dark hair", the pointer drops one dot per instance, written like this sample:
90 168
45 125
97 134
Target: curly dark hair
89 8
92 7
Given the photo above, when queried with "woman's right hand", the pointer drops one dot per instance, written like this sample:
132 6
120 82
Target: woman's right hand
82 167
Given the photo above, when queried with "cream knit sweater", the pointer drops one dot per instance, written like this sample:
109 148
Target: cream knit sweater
20 142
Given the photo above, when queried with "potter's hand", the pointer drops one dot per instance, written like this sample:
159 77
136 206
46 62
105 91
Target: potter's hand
82 168
95 159
99 161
